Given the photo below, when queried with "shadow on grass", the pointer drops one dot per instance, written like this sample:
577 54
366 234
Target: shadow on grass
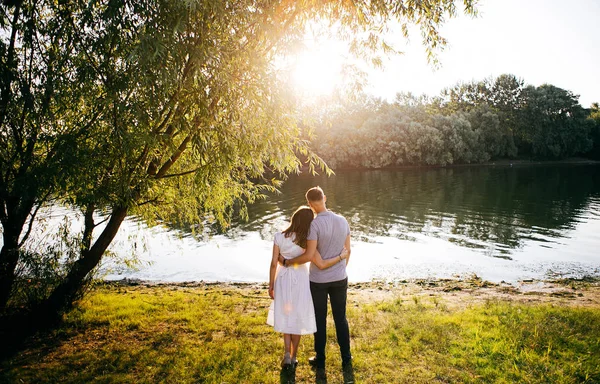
187 337
105 362
287 375
19 331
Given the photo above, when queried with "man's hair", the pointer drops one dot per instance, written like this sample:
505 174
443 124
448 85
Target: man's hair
315 194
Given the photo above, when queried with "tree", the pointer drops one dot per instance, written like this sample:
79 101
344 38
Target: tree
465 96
505 92
502 94
186 109
41 103
470 123
595 130
553 122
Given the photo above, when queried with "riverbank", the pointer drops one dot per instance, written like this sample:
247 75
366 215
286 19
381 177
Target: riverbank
417 331
460 291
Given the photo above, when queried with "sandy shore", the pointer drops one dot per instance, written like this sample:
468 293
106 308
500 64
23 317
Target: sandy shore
454 292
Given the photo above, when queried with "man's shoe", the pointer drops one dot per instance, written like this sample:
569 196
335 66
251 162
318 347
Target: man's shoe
347 364
316 363
348 372
320 376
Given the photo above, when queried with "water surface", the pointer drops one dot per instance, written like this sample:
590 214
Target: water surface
501 223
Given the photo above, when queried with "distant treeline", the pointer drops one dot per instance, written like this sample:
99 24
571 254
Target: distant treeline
469 123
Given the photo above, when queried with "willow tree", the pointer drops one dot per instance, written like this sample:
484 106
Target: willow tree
42 101
190 105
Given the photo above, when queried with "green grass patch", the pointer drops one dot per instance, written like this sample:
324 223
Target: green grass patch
219 335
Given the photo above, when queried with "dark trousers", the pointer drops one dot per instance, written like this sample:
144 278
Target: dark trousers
337 292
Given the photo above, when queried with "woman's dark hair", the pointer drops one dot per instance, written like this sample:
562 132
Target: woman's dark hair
300 225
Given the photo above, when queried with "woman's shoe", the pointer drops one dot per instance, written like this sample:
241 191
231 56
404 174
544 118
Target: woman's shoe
286 362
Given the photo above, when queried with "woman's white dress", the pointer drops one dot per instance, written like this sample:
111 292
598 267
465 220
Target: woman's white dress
292 310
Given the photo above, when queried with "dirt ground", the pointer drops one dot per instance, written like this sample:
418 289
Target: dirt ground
459 293
454 293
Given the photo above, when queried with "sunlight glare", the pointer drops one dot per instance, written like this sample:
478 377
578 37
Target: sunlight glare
318 70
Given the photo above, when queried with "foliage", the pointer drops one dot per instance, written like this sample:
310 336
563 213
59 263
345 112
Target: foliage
217 334
168 109
595 127
554 123
469 123
595 112
44 267
44 99
399 135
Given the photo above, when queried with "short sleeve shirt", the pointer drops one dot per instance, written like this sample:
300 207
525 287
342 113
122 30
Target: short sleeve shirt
330 231
287 247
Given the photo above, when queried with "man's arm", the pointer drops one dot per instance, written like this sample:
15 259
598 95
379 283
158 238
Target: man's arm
347 246
311 248
324 264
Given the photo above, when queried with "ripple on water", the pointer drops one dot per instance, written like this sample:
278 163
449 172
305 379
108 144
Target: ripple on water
492 221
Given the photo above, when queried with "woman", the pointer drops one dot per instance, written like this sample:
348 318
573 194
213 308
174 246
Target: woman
292 312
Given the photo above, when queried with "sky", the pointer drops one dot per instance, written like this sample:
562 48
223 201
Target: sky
541 41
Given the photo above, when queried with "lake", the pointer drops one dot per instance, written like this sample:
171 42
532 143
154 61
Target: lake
502 223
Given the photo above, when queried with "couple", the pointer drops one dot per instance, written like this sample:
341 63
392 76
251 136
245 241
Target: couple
300 297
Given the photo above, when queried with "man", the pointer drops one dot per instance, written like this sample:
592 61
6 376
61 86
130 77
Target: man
329 234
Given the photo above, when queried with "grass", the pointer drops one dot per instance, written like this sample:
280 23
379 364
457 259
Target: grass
216 334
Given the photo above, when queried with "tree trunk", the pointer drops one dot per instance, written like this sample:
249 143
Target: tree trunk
68 291
12 226
9 256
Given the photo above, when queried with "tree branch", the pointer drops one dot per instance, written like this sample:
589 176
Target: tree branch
6 89
182 173
88 227
30 224
153 166
3 214
174 157
102 221
148 202
91 61
186 70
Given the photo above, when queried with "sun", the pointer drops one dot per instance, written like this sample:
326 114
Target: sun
317 70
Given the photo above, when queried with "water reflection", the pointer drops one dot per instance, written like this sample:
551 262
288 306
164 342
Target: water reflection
493 209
